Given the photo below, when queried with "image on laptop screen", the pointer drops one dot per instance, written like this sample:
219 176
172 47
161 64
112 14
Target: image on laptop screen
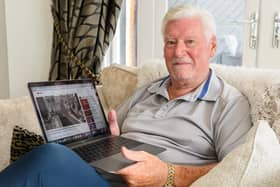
68 111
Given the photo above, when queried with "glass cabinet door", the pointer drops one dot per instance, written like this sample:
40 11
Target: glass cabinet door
268 50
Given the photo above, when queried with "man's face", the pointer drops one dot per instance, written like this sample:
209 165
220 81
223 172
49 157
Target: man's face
187 51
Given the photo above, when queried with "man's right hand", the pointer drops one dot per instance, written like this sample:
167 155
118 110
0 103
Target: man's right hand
113 123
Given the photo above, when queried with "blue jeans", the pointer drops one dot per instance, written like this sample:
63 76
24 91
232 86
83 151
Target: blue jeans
51 165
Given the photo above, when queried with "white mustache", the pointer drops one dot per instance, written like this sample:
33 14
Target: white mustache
182 60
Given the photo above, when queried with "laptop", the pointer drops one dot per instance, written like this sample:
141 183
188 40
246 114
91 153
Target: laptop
70 113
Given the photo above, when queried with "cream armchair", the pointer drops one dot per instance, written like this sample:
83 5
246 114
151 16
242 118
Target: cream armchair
254 163
261 86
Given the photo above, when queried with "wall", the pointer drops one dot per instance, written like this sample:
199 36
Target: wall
149 36
29 39
4 86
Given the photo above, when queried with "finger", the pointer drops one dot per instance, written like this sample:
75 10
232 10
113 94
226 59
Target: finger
113 123
137 156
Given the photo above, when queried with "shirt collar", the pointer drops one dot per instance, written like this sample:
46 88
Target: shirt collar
208 91
160 87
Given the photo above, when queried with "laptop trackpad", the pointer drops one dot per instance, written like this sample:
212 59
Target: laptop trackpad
113 163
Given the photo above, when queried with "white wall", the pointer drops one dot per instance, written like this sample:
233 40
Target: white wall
149 37
4 81
29 39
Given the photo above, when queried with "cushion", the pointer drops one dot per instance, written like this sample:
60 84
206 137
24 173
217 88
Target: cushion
254 163
269 108
150 71
118 84
252 82
16 111
23 141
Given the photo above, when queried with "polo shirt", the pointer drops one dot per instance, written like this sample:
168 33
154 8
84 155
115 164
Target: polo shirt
198 128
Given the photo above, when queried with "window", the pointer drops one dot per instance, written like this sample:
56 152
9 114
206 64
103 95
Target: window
138 36
122 49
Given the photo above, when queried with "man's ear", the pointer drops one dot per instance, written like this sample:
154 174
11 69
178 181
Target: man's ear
213 46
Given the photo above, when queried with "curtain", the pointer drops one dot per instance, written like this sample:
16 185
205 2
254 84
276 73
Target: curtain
83 30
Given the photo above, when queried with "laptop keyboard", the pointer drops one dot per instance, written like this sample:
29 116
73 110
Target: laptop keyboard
107 147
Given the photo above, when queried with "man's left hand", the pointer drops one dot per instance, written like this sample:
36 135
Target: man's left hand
148 170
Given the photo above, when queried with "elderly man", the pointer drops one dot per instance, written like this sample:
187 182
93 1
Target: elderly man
192 113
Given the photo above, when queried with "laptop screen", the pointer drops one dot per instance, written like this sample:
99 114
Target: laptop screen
68 110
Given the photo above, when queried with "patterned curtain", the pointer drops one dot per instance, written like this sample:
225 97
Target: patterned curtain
83 30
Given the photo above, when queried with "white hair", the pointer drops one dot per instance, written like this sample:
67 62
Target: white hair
188 11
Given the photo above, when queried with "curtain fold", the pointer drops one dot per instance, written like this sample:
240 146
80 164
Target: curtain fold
83 30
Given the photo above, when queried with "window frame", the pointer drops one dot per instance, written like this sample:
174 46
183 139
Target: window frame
147 31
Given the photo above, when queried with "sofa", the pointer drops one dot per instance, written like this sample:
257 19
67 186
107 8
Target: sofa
119 82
